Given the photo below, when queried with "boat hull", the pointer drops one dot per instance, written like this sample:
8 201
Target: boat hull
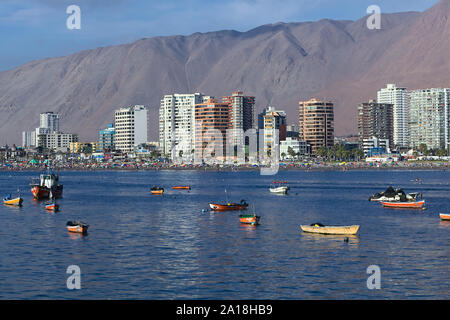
227 207
160 192
52 207
40 192
249 219
13 202
279 190
77 229
445 216
407 205
182 188
344 230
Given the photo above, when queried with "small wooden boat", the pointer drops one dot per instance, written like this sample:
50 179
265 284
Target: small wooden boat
249 219
13 202
279 190
445 216
157 190
407 205
182 188
229 206
342 230
77 227
52 207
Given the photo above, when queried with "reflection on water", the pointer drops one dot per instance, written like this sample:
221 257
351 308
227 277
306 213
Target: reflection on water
165 247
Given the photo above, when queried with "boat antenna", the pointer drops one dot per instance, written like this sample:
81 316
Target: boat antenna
226 194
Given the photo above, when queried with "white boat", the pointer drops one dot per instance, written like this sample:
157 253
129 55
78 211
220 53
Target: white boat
281 190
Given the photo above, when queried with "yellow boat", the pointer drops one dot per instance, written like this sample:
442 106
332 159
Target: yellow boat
13 202
344 230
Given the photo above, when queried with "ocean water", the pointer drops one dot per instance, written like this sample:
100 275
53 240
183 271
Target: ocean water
143 246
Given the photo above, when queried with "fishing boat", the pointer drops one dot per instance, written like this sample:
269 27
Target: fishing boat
406 205
77 227
9 201
279 187
445 216
157 190
52 207
391 195
182 188
249 219
252 219
336 230
229 206
46 184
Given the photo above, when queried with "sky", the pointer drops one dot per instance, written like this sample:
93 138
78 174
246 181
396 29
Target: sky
36 29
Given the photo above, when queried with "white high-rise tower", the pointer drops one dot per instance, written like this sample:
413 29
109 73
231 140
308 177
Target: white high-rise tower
398 97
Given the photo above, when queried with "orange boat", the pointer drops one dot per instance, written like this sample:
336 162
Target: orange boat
46 185
52 207
249 219
445 216
157 190
77 227
182 188
229 206
407 205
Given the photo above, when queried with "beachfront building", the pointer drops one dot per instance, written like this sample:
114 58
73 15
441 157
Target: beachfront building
28 139
398 97
292 148
274 124
375 120
83 147
212 119
241 116
50 121
56 141
106 138
374 144
130 128
293 131
177 122
316 122
428 122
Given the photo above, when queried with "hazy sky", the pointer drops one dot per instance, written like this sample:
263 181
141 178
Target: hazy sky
34 29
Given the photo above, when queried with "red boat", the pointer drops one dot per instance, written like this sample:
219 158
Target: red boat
407 205
52 207
229 206
249 219
47 185
182 188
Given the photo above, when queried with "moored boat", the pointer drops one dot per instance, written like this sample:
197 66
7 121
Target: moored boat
445 216
391 195
406 205
47 184
52 207
13 202
182 188
157 190
249 219
279 190
337 230
229 206
77 227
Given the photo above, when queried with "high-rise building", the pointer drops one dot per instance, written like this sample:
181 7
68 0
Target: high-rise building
130 127
398 97
177 122
49 120
210 115
57 141
375 120
106 138
273 120
242 109
428 121
316 122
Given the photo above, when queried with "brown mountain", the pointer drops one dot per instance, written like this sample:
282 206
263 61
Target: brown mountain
280 64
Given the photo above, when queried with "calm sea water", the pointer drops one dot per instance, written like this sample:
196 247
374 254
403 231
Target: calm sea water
143 246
